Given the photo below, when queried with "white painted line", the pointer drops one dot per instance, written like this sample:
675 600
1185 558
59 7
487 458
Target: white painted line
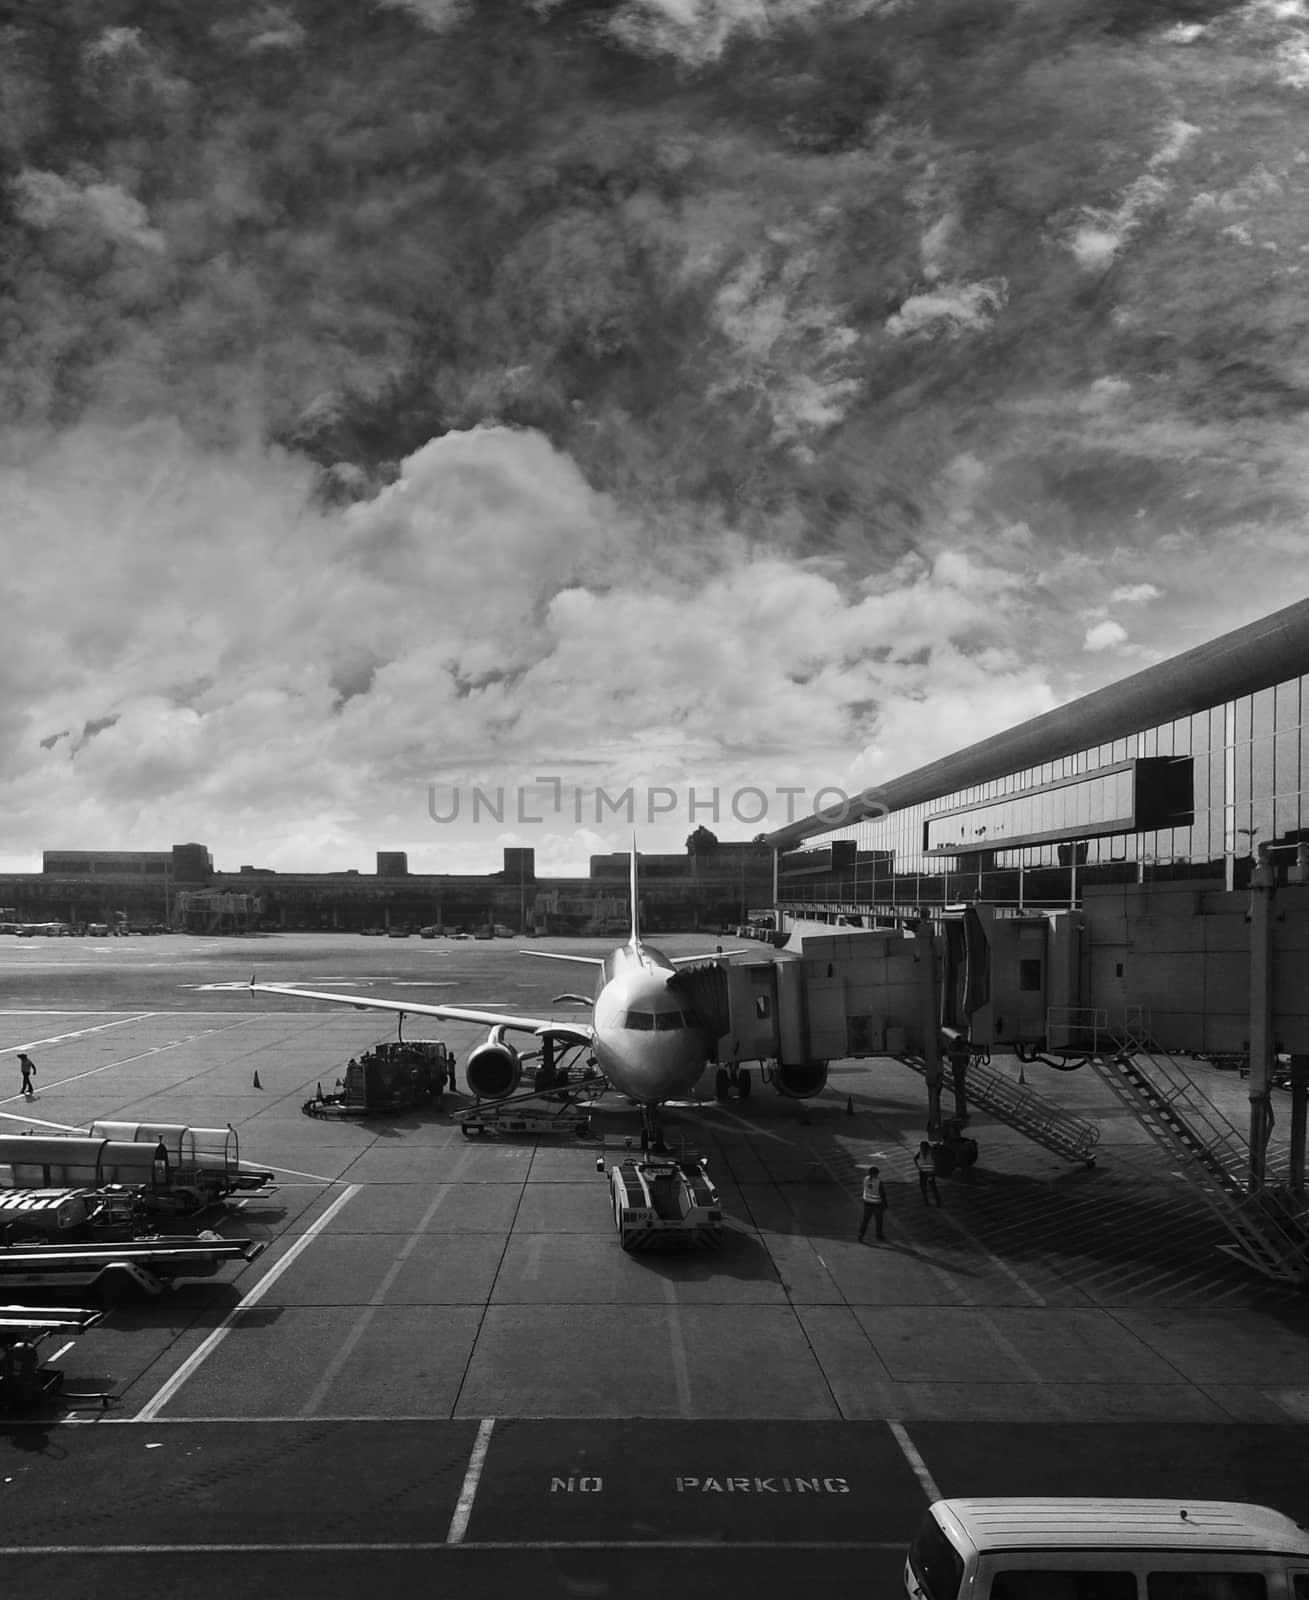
377 1297
64 1127
909 1450
677 1345
476 1461
125 1061
82 1033
62 1350
481 1544
749 1127
152 1407
317 1177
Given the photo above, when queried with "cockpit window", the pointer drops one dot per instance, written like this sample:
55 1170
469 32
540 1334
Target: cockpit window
641 1020
665 1021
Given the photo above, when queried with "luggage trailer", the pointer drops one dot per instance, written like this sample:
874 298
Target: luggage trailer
24 1382
170 1168
114 1266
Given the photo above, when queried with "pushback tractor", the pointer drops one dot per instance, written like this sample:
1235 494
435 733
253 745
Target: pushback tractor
661 1202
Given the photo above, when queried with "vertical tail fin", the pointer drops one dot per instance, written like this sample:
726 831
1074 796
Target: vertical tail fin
635 939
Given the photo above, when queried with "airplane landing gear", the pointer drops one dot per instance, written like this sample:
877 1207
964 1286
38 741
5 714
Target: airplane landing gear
733 1079
652 1135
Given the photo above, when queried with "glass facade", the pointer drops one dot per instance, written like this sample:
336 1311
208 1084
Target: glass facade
1189 799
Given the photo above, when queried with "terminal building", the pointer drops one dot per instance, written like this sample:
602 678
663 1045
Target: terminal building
1179 774
1121 883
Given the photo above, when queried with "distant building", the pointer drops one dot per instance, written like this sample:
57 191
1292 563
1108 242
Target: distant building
392 864
520 865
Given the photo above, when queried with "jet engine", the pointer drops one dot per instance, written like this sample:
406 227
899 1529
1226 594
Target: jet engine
494 1068
799 1080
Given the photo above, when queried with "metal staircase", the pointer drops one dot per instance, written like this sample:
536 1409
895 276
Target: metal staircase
1025 1111
1185 1124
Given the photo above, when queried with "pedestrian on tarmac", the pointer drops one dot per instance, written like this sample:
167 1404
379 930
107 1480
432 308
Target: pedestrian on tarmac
874 1202
925 1164
27 1067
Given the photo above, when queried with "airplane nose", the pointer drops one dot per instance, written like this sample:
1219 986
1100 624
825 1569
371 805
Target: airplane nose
653 1072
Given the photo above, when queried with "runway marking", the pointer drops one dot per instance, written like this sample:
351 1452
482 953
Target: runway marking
317 1177
82 1033
476 1461
152 1407
392 1546
62 1350
909 1450
750 1127
678 1348
124 1061
64 1127
377 1297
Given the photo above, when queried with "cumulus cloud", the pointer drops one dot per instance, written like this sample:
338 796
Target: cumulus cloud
951 309
1135 594
1104 231
698 31
1104 636
47 201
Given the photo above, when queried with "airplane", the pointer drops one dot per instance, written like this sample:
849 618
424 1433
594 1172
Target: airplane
647 1034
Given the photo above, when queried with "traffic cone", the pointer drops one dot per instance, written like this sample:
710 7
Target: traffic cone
257 1084
1022 1076
849 1105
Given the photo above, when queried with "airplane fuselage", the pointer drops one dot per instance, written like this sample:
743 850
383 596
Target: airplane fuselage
646 1042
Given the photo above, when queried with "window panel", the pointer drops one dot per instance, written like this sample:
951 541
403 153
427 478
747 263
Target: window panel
1206 1585
1244 713
1287 705
1200 784
1241 775
1261 712
1261 767
1050 1583
1286 762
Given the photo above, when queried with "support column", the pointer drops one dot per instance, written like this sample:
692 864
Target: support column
929 1020
1299 1106
1263 888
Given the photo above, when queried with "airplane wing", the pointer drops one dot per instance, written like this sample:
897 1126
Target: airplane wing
713 955
421 1008
560 955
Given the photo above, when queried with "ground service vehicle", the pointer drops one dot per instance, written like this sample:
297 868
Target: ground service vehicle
658 1201
1106 1549
396 1075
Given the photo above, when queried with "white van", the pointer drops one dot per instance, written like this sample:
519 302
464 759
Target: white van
1047 1549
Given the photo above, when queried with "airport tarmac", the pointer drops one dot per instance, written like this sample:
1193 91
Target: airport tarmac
444 1356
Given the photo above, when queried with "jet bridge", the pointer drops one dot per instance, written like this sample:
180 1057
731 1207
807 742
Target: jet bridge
831 996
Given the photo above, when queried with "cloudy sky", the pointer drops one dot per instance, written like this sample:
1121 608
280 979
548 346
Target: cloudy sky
701 397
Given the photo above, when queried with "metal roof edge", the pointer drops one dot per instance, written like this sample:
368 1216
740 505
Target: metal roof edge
1249 658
